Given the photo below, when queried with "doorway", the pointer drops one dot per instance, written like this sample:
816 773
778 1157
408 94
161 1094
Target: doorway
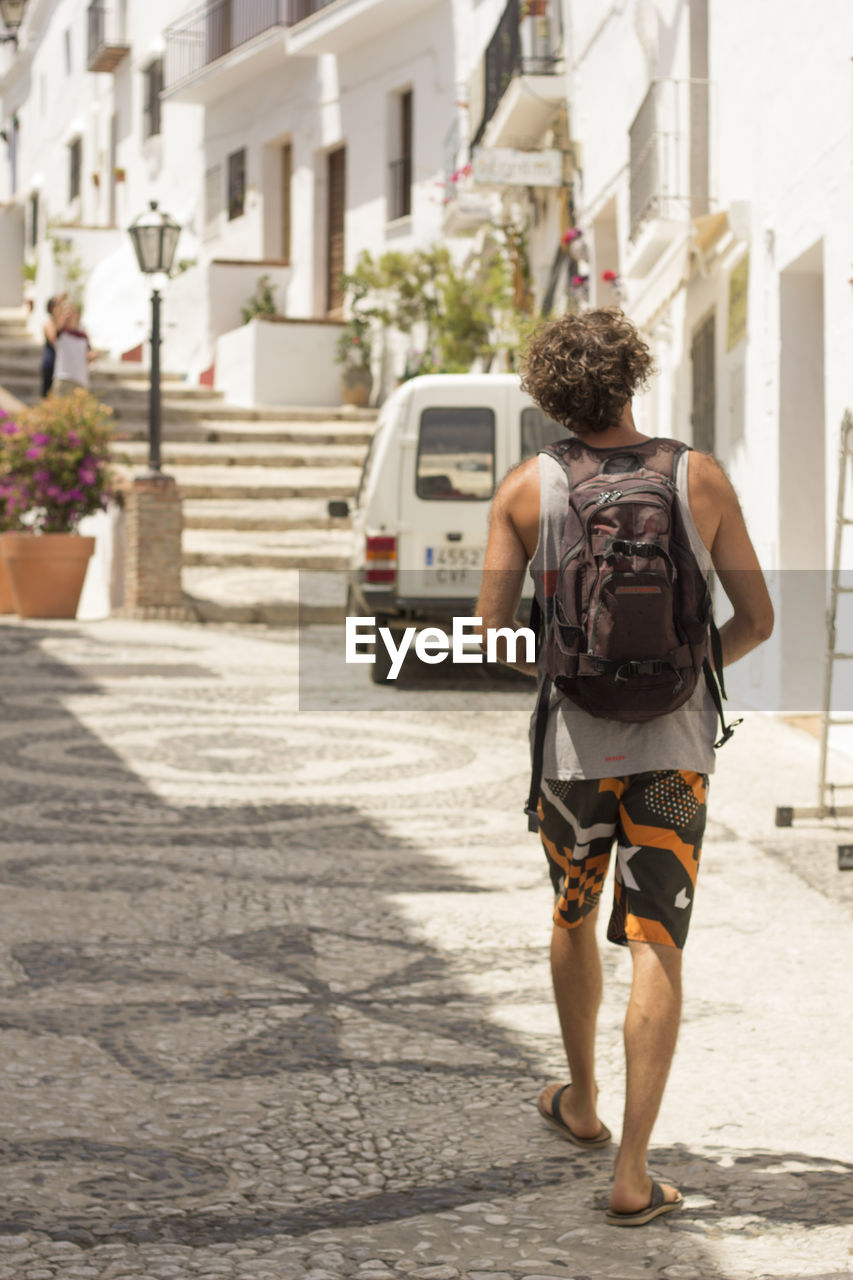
802 480
704 405
336 204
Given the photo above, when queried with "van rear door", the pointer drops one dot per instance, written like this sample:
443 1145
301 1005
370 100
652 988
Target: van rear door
454 455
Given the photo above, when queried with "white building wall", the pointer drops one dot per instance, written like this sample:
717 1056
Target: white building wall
780 146
55 98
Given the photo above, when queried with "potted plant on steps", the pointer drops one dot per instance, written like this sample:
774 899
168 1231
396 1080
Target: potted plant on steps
54 469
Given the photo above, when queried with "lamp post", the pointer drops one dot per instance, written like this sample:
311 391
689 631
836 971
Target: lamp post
155 239
12 13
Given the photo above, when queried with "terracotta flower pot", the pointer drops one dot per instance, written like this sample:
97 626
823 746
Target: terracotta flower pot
7 600
356 385
46 572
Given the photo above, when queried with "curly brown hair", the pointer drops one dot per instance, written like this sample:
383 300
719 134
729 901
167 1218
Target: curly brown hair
583 369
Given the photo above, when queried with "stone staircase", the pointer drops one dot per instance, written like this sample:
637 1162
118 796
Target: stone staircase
259 545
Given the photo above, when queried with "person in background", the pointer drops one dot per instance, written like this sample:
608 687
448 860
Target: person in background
48 357
73 351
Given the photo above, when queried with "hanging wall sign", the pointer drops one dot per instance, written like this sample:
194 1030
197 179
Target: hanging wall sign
738 297
505 167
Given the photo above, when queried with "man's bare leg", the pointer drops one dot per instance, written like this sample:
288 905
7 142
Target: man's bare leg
651 1030
576 974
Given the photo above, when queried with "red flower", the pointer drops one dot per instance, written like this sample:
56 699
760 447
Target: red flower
570 235
579 281
610 276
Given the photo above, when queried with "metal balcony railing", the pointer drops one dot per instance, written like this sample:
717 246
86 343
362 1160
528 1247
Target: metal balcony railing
299 9
668 152
105 45
529 47
208 33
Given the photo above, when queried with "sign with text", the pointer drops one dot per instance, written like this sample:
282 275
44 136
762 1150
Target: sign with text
505 167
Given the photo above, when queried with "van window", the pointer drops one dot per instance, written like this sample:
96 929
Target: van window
456 455
537 430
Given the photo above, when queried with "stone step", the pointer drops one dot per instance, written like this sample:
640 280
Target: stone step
294 549
126 398
266 596
262 515
215 412
272 432
239 454
266 482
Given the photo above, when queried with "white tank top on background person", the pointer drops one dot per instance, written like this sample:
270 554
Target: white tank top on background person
72 357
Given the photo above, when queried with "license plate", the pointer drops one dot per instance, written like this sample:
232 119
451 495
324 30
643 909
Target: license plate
454 557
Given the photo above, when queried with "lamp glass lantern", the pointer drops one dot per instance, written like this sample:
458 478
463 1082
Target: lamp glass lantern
155 239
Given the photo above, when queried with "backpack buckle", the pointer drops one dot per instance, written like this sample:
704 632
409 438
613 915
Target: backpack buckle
649 667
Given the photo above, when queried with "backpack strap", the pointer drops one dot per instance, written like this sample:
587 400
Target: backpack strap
543 707
716 685
582 461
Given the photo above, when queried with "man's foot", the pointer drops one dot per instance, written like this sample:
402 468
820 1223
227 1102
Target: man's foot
635 1210
578 1125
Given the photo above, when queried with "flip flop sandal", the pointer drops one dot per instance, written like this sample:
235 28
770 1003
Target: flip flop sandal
551 1115
656 1206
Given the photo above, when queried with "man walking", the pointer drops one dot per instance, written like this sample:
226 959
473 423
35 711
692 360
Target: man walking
641 784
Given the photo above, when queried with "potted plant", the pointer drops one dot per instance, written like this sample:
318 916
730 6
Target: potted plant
55 468
353 353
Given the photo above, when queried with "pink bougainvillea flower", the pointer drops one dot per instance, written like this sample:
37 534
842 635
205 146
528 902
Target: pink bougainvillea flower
42 476
8 429
40 438
75 495
610 276
54 492
73 438
571 234
34 453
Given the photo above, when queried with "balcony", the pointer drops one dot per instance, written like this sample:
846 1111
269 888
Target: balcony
334 26
105 46
667 172
521 83
222 45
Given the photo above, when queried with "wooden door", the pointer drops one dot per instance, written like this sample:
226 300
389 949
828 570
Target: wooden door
704 387
286 183
336 186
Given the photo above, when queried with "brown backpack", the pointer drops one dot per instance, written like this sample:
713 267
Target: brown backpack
627 628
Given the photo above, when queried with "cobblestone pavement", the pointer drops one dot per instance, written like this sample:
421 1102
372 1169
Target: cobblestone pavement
274 998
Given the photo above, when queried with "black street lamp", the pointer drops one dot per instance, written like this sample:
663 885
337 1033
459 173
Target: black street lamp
155 239
12 13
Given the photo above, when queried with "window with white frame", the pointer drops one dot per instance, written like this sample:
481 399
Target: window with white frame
237 184
400 163
152 88
75 167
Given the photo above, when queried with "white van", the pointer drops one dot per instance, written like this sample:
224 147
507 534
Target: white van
420 521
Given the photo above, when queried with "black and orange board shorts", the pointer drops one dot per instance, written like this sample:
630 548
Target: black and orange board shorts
657 820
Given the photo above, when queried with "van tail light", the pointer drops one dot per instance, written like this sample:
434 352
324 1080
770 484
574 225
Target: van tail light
381 557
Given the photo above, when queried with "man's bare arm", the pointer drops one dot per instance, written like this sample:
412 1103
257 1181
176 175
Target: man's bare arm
504 567
735 563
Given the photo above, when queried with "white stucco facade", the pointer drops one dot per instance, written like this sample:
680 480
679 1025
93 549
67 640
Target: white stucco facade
769 179
308 83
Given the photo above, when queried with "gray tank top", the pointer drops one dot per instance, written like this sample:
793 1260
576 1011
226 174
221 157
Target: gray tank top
578 745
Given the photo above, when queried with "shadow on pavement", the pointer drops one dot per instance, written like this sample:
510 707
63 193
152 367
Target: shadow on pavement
222 1023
